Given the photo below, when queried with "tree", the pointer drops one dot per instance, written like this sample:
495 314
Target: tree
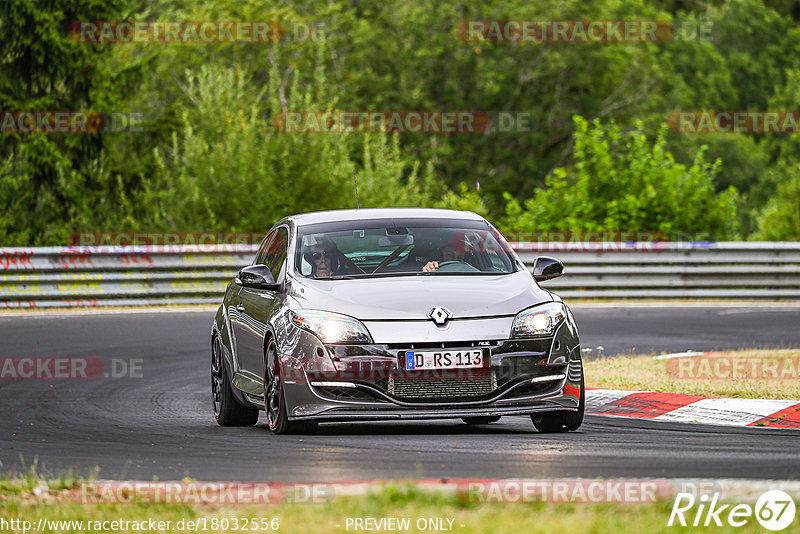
47 181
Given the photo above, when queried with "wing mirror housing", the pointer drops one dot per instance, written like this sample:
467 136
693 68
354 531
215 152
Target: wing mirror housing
257 277
546 268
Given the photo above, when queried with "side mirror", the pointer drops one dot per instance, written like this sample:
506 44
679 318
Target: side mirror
257 277
545 268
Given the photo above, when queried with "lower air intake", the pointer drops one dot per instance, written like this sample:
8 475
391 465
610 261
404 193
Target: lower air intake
432 389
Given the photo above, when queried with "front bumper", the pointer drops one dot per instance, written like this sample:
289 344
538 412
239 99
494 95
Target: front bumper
520 376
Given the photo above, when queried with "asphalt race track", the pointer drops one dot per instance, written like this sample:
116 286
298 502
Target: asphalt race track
160 424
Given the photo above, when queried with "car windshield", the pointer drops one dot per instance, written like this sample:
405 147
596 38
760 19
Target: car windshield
397 247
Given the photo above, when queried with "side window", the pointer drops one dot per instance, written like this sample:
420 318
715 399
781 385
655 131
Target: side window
276 252
262 250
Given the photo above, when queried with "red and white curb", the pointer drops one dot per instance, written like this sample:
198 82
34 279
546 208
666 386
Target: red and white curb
676 407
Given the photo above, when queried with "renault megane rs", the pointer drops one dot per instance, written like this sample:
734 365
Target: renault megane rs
388 314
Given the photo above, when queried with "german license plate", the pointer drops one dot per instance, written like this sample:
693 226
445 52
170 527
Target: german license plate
450 359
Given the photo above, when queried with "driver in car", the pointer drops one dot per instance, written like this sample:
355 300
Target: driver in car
323 259
320 263
448 254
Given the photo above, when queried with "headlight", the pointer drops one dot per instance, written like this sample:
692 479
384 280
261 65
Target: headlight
331 327
540 320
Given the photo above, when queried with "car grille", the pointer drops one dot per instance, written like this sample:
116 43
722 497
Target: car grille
442 388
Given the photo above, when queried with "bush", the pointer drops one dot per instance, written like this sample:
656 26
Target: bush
779 220
622 182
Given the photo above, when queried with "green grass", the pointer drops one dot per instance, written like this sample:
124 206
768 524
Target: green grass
27 481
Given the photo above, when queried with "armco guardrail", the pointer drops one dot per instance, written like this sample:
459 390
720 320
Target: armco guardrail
118 275
671 269
197 274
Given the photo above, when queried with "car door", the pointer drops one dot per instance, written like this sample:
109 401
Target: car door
255 305
240 323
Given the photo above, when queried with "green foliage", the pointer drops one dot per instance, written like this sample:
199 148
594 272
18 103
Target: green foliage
779 220
229 167
407 55
464 199
210 158
47 182
759 46
622 182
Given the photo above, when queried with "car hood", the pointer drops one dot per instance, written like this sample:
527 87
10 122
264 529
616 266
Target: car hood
413 297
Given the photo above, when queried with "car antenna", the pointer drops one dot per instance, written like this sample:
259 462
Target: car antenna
355 181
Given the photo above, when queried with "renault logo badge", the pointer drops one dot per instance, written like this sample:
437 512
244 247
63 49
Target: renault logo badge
439 315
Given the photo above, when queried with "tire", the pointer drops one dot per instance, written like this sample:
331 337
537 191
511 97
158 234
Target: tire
227 410
481 420
554 422
274 404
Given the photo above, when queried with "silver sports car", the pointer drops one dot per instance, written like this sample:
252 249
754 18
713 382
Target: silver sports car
385 314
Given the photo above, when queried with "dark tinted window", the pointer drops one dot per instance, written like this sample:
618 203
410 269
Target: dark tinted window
398 247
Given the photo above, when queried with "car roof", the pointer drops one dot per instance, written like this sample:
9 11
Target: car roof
381 213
